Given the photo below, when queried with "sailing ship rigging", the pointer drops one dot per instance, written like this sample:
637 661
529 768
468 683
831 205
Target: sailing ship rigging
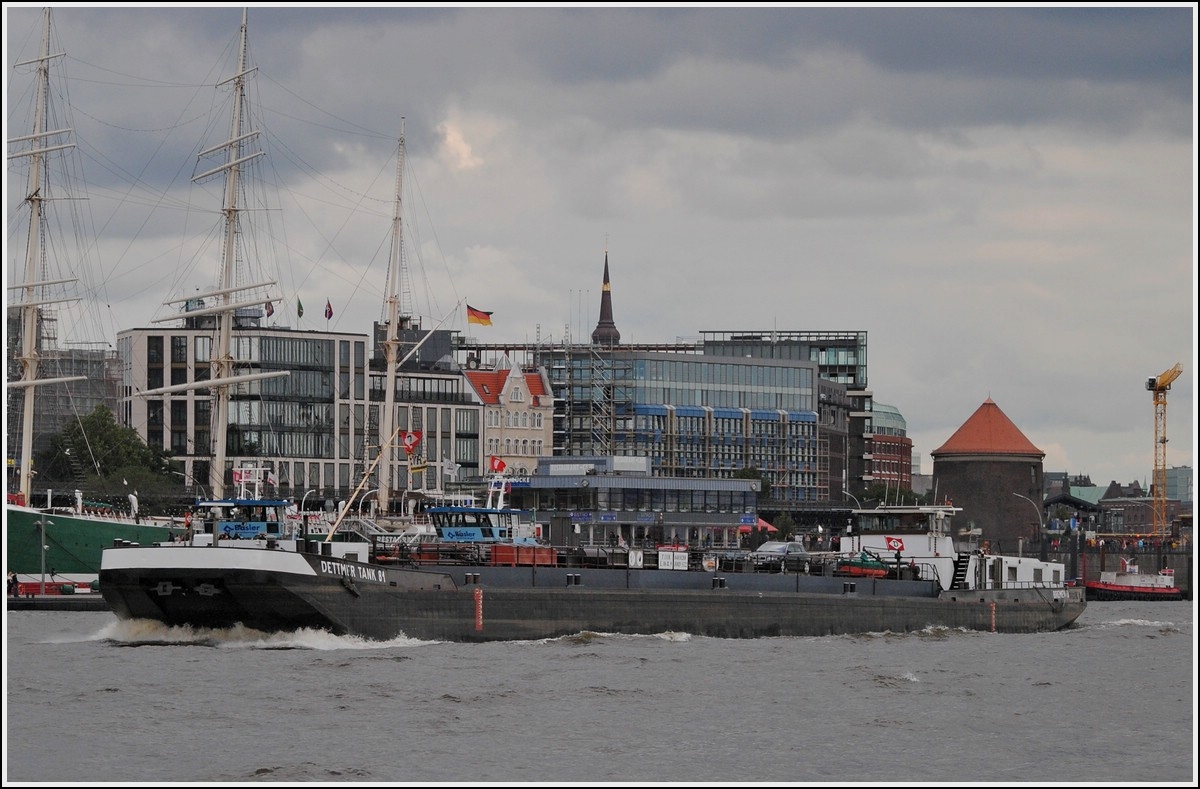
237 153
33 290
54 383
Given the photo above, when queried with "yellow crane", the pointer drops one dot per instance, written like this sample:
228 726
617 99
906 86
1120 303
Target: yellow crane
1159 385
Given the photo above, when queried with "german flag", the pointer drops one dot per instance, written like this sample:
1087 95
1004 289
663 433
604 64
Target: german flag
478 316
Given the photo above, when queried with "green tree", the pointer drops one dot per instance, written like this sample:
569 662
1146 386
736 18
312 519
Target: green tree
764 487
103 451
786 525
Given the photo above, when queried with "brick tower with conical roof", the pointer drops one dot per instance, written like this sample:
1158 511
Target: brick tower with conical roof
980 467
606 332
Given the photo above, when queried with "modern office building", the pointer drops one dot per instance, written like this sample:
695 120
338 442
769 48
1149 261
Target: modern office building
1179 484
309 428
317 429
793 405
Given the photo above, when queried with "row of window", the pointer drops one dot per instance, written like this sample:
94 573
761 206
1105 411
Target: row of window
524 419
510 446
639 500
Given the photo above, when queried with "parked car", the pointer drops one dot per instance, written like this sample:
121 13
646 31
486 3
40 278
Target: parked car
778 556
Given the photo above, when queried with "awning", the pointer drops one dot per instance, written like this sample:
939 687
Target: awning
762 524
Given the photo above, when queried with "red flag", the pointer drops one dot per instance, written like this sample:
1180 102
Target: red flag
411 439
328 310
895 543
497 464
478 316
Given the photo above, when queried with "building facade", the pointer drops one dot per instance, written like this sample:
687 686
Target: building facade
55 405
793 405
518 415
890 451
308 428
609 501
1179 484
994 473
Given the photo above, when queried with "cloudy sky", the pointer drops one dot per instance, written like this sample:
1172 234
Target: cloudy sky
1002 198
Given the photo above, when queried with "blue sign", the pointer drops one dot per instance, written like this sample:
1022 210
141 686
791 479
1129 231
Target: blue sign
750 519
242 531
608 516
581 517
462 534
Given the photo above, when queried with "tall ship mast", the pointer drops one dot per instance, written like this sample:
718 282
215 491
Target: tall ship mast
396 284
44 538
237 152
34 290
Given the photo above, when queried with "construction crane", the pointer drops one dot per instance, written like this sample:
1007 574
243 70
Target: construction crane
1159 385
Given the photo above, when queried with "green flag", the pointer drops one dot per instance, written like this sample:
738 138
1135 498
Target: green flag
299 309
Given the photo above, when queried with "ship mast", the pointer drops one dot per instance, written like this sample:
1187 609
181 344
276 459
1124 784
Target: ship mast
30 305
391 346
222 362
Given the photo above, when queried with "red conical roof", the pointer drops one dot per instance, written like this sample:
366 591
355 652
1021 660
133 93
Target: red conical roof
988 432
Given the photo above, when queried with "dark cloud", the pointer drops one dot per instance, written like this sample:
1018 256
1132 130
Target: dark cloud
1003 197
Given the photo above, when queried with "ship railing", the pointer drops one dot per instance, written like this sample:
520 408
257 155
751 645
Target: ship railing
427 553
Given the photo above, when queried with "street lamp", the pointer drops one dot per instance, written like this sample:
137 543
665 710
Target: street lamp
1041 524
304 512
42 523
851 495
364 498
1037 509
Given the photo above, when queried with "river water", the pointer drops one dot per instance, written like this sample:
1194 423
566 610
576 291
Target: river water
90 699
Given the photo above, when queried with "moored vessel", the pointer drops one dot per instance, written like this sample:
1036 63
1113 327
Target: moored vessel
1130 584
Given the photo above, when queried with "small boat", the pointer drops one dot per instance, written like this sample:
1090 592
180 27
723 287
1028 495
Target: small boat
863 565
1130 584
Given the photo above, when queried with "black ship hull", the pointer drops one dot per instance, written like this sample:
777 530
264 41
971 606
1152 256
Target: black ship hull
277 590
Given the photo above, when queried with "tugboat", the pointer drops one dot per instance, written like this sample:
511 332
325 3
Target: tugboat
1130 584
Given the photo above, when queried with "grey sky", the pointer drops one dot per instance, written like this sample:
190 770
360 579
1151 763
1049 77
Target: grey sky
1004 198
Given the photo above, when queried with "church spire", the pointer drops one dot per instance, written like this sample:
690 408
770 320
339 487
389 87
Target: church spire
606 332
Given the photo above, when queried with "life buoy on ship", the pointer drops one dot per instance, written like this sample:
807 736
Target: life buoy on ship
710 563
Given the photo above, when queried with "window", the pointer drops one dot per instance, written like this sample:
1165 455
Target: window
154 350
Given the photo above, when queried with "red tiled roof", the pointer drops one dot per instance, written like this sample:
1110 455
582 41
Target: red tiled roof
988 432
533 382
489 384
